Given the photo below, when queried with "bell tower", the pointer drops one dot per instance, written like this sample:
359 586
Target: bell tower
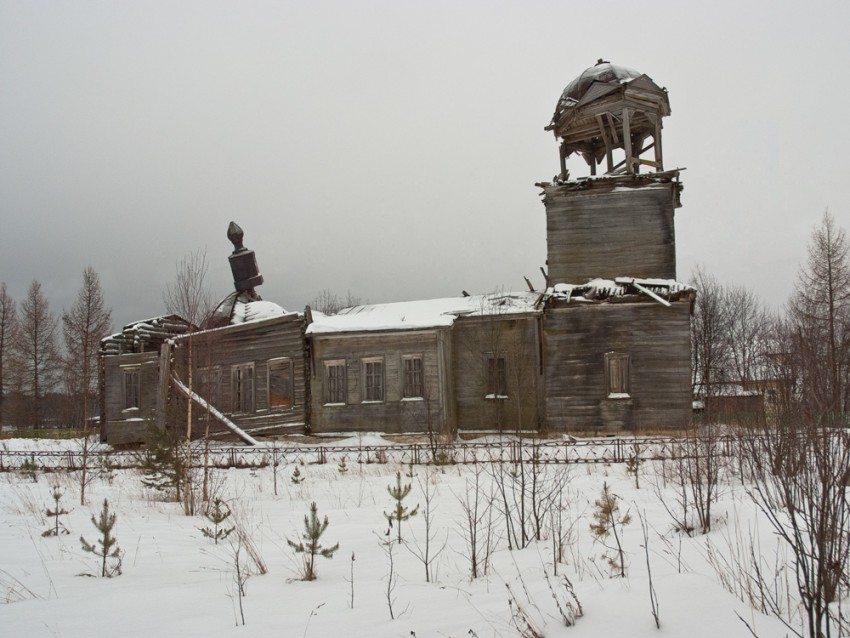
617 221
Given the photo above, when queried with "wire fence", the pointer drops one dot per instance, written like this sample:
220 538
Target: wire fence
607 450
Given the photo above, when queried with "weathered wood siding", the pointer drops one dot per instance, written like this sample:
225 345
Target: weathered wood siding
611 227
218 351
657 339
475 339
119 425
394 414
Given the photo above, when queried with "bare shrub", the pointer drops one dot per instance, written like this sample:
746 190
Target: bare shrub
801 476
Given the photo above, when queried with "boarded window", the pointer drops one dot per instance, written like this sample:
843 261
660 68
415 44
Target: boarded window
209 384
243 387
497 376
335 382
132 388
280 383
617 374
413 378
373 373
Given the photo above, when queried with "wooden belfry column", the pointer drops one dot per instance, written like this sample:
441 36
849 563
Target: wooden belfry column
609 108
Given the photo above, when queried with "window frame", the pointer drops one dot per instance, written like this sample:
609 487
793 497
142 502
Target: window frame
413 380
132 378
618 379
373 392
496 378
238 383
280 363
335 388
209 384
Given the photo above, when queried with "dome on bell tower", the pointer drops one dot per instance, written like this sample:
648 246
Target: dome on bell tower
610 108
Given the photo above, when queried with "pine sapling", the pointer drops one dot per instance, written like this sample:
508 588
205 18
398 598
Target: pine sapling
297 477
633 463
607 520
310 547
107 542
55 513
29 469
341 466
400 513
217 513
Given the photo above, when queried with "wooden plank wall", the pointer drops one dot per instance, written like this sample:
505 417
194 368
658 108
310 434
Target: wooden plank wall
122 426
393 415
657 339
516 337
257 343
604 228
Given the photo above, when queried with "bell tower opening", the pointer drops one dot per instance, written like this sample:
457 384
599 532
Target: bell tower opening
607 113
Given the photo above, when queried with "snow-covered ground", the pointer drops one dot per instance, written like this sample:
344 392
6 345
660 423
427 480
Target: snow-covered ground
176 582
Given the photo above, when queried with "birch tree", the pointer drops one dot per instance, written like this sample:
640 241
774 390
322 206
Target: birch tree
189 297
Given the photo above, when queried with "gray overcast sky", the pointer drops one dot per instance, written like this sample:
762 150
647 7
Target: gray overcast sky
391 148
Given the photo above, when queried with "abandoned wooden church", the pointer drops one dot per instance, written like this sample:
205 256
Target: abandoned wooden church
605 347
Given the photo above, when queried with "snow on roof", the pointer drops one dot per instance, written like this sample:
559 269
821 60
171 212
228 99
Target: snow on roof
601 72
138 335
431 313
256 311
599 289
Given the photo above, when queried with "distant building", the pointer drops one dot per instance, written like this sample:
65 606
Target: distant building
605 347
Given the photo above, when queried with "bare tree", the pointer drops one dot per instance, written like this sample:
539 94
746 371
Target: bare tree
189 297
426 551
83 326
8 328
801 473
820 311
746 324
36 353
330 303
709 330
475 523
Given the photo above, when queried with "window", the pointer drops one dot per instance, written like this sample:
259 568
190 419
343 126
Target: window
243 387
772 397
413 377
497 376
132 388
209 384
335 388
373 382
280 383
617 375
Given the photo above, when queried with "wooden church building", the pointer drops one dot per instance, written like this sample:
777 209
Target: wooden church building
605 347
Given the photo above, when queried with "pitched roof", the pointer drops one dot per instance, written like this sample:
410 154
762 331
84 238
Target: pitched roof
430 313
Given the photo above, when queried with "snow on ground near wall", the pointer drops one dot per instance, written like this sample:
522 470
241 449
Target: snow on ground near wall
177 583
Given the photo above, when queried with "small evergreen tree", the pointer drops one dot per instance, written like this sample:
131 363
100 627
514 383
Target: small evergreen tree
55 513
633 463
310 547
29 469
217 513
162 462
400 513
607 520
107 542
297 477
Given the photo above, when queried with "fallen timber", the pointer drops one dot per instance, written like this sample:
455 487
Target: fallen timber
576 451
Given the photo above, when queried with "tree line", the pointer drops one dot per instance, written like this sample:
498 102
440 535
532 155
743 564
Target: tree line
799 356
48 363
